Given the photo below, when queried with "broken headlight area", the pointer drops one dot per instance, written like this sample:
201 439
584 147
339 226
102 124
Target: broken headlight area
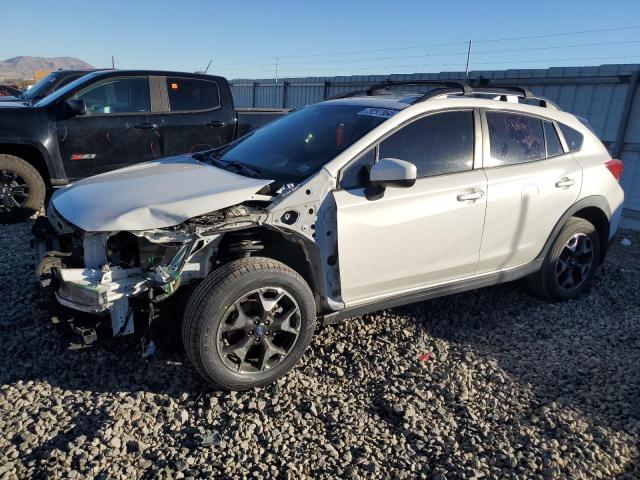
102 273
124 275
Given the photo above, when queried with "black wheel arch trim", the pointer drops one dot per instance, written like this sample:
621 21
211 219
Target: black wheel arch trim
55 169
596 201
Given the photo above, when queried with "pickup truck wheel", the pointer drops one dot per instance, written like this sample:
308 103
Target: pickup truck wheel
248 323
570 264
22 189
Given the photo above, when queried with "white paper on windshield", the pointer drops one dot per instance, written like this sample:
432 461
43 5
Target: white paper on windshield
378 112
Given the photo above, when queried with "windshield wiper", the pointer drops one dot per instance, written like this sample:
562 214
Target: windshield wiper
254 172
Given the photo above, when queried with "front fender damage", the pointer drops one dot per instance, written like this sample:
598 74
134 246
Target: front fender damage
149 265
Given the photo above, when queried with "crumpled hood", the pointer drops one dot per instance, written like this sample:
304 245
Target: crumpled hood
154 194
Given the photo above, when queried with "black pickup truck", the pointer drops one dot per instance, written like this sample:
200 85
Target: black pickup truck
109 119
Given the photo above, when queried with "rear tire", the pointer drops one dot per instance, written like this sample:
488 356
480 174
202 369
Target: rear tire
570 264
22 189
248 323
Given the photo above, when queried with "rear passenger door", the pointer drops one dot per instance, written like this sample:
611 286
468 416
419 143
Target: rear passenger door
195 118
414 237
532 181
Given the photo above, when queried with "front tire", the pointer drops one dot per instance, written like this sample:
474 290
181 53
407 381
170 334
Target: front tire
570 264
248 323
22 189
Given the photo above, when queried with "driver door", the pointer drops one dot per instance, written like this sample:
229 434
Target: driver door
414 237
119 128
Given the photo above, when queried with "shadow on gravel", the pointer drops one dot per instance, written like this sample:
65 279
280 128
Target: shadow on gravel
38 350
86 427
575 355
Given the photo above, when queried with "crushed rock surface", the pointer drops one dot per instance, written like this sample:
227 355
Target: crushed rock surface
487 384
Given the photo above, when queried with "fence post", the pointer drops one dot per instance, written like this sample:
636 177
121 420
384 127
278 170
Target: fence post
626 113
253 95
284 93
325 88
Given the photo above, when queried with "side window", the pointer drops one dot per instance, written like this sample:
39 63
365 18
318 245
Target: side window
514 139
554 147
437 144
357 174
573 137
117 95
187 94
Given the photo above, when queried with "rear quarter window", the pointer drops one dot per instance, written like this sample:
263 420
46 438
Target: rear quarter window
188 94
554 147
573 138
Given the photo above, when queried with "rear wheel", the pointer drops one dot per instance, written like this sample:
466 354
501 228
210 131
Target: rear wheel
248 323
22 189
570 264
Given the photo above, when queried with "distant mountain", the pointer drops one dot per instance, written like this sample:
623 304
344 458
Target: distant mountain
19 67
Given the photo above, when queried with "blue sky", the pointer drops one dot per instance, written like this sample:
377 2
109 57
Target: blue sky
322 37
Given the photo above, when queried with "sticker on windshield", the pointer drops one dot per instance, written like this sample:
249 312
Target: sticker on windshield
378 112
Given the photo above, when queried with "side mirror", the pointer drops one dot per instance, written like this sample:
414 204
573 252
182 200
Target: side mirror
391 172
74 107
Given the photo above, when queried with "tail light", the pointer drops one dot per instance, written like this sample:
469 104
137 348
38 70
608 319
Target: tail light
615 166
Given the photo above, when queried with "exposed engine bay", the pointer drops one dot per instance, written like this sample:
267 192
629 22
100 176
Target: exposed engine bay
124 275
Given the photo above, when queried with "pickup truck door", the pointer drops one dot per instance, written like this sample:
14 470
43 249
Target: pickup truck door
419 236
119 128
196 116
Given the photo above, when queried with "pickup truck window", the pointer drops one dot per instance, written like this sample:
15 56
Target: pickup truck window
117 95
297 145
188 94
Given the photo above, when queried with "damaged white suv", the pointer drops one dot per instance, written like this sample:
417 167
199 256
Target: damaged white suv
351 205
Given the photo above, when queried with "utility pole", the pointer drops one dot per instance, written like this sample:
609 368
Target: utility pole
466 72
277 60
113 62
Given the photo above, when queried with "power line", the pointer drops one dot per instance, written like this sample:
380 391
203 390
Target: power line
381 67
433 45
446 54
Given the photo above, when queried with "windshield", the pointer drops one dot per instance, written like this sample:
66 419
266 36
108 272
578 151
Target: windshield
297 145
40 88
67 88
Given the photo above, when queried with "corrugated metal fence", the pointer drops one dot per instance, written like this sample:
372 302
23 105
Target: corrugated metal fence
605 95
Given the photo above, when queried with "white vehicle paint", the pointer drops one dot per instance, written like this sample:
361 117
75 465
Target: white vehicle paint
155 194
397 236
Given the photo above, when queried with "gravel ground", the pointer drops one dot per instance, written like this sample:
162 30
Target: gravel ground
493 383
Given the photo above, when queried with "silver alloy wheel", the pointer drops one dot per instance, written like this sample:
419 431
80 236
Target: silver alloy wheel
14 191
575 262
259 330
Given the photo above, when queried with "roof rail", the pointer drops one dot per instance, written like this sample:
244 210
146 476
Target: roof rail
455 87
464 87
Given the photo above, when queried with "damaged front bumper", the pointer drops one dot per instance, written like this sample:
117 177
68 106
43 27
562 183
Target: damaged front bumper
75 267
98 291
122 274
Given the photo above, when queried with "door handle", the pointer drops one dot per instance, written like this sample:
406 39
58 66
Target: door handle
472 196
215 123
144 126
565 182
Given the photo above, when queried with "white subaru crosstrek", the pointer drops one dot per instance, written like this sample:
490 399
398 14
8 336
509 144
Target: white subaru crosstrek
347 206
